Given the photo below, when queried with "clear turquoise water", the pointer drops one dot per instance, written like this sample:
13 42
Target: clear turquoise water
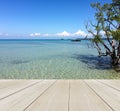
61 59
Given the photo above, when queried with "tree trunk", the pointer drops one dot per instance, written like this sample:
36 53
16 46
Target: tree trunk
115 61
115 56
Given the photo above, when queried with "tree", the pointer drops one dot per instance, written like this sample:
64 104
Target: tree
106 25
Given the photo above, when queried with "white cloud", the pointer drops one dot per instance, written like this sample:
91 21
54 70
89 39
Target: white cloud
46 35
102 33
61 34
3 34
80 33
35 34
64 33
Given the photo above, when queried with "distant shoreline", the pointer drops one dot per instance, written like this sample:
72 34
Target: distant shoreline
62 39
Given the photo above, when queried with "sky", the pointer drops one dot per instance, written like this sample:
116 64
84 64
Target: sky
45 18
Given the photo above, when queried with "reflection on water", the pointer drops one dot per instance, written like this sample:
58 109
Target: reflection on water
94 62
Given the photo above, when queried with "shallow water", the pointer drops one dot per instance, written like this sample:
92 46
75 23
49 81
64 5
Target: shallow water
61 59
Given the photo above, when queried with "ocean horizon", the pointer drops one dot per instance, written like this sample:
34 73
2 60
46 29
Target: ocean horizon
52 59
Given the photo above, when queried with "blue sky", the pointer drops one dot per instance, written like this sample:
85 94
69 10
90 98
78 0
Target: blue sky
45 18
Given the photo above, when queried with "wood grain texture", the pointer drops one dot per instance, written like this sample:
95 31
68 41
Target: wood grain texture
13 86
54 99
106 93
82 98
59 95
19 101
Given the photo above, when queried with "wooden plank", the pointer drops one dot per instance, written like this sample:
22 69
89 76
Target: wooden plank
115 84
10 87
82 98
91 95
108 94
19 101
8 83
54 99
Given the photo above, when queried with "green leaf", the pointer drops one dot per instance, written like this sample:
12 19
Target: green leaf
116 34
97 39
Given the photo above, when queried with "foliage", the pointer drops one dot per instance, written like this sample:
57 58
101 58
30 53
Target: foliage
116 34
107 25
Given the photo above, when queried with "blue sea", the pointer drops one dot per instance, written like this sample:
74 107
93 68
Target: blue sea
52 59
